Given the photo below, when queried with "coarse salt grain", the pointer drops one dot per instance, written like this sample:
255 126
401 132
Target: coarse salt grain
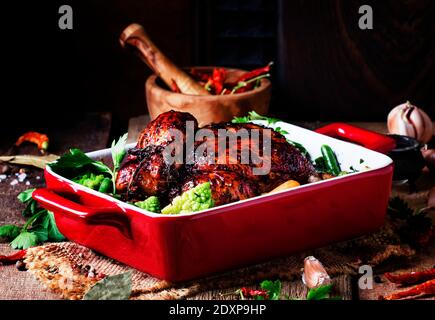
14 182
27 183
21 177
38 177
3 177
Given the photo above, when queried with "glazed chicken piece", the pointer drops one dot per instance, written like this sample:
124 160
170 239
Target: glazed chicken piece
286 161
158 132
145 172
153 176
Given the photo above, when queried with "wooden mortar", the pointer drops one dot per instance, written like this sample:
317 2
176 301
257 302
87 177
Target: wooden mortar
211 108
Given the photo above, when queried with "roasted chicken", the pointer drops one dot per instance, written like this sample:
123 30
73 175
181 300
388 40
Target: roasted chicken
146 172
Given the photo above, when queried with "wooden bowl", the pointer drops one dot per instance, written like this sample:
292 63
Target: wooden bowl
208 109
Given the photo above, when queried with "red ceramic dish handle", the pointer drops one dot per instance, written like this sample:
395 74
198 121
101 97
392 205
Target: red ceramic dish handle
368 139
111 216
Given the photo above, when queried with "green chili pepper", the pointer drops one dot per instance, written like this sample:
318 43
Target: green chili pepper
330 159
106 186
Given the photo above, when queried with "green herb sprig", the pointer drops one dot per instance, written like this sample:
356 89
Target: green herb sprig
252 116
39 227
77 161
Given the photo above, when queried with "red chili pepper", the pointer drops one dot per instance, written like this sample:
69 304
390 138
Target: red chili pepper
199 75
41 140
255 73
252 293
219 75
174 87
427 288
13 258
411 278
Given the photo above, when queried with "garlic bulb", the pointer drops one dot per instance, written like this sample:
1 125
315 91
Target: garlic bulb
408 120
314 274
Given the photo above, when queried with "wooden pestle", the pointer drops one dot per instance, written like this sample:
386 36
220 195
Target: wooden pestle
134 36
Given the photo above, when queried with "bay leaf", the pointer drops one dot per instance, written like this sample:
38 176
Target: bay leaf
116 287
29 160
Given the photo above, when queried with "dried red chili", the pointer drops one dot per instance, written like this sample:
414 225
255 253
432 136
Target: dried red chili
252 293
427 288
255 73
13 258
219 75
411 278
41 140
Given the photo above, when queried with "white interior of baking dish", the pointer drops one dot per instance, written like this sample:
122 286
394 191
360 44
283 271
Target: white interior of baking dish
349 156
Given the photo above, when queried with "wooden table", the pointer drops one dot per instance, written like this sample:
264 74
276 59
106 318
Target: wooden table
21 285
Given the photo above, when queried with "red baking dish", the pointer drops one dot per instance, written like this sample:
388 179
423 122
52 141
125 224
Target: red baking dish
183 247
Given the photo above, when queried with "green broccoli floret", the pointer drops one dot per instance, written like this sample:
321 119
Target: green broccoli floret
196 199
90 180
151 204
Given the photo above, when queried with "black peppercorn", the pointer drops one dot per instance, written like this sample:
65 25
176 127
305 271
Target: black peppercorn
378 279
21 266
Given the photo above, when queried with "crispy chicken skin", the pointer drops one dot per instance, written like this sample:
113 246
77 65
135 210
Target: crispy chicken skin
158 132
145 172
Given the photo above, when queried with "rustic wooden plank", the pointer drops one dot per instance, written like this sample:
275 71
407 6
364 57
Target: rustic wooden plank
290 290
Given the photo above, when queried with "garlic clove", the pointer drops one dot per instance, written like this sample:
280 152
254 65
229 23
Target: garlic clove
428 133
409 120
314 274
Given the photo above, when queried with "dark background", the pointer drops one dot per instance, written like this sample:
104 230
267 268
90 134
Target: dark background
326 67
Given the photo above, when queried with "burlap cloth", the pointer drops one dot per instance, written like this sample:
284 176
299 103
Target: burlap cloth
70 269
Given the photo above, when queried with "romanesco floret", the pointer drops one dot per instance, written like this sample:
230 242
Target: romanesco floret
151 204
90 180
196 199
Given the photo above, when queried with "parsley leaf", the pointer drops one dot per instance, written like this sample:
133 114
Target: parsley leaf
118 151
273 288
26 195
118 155
41 233
252 115
53 232
319 293
279 130
76 160
9 231
240 120
25 240
39 227
322 293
